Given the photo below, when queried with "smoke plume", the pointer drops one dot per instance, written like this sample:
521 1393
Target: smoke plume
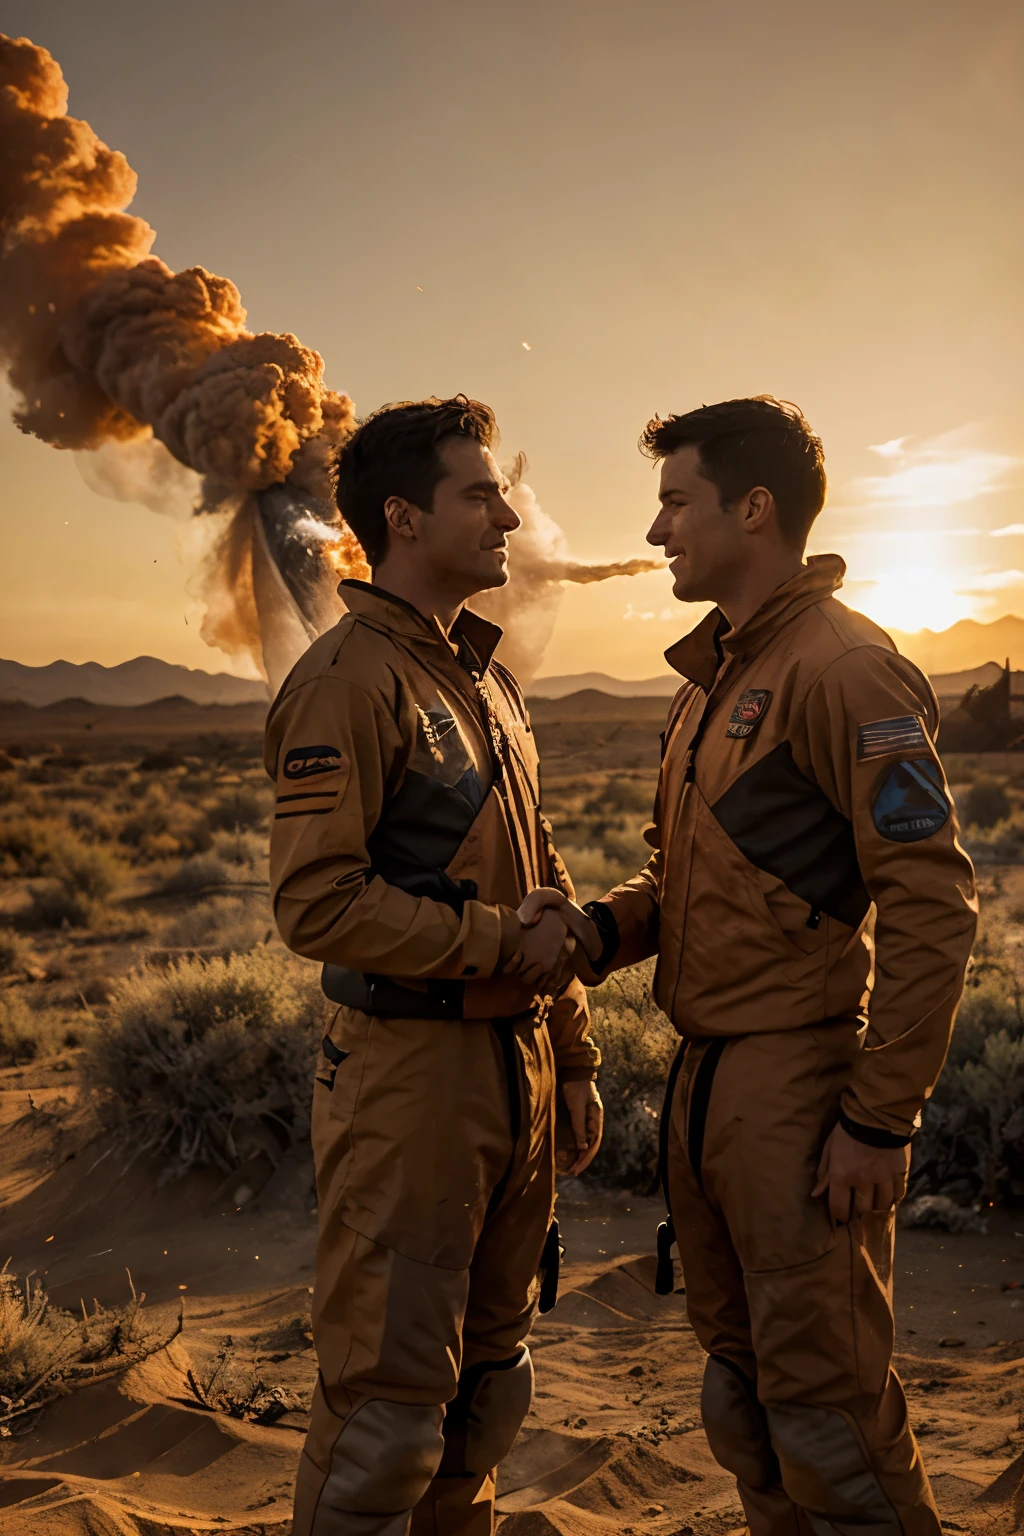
153 377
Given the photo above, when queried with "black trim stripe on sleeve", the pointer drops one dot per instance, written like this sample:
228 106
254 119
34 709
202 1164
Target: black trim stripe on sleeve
310 810
310 794
871 1135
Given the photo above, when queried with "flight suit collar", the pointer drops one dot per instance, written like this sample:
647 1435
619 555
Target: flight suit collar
392 613
699 655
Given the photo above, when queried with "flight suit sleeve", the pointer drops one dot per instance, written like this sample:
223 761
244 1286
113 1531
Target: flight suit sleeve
871 721
332 752
576 1055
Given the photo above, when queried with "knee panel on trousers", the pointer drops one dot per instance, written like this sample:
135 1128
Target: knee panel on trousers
827 1471
382 1462
735 1424
485 1417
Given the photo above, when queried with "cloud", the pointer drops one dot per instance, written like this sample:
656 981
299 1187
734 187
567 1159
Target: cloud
942 471
1009 531
993 581
666 616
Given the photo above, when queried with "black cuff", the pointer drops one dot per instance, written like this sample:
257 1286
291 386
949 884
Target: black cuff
603 919
870 1135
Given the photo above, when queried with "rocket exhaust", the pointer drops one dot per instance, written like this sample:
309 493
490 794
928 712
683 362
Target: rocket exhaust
108 349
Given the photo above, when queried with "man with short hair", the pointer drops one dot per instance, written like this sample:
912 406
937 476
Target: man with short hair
800 795
407 831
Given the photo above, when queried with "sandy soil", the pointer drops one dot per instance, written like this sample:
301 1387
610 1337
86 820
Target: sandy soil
613 1442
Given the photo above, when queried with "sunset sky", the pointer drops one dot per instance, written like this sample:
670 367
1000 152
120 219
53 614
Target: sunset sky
668 204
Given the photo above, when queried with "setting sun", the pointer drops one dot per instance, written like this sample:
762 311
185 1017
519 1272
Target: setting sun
910 599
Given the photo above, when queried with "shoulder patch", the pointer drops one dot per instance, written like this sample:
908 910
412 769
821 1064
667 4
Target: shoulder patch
880 738
748 711
911 803
306 762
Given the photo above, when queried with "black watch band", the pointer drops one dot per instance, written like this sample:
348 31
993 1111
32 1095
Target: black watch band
603 919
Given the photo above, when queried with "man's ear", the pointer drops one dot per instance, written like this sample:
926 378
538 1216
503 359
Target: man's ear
400 517
759 505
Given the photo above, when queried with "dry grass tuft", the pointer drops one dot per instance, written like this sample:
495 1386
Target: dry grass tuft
195 1060
637 1046
45 1352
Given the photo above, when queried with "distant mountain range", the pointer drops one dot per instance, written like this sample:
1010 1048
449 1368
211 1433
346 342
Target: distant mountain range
954 658
132 682
965 645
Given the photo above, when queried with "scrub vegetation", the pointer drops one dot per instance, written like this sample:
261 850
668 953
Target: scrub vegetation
139 959
46 1352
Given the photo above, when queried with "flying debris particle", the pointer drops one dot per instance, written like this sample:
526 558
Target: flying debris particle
527 346
182 1287
418 288
50 1239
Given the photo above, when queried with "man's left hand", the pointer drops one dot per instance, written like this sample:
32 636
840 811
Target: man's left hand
859 1178
586 1115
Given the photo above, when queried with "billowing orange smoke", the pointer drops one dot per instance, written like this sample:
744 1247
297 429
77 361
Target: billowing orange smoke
101 339
105 345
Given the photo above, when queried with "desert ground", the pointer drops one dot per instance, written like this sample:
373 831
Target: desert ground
132 877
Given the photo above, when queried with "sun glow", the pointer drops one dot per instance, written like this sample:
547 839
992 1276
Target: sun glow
921 597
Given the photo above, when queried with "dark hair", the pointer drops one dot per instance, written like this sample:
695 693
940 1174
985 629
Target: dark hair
395 453
744 443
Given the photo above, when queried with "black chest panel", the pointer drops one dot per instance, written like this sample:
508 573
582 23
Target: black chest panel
421 831
786 825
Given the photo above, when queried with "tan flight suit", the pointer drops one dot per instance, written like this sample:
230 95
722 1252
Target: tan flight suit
800 792
406 832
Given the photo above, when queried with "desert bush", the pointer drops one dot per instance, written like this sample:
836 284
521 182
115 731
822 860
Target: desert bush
620 795
83 877
201 872
27 843
46 1352
637 1044
229 923
17 957
92 870
1002 843
247 849
160 823
240 809
986 803
189 1059
26 1033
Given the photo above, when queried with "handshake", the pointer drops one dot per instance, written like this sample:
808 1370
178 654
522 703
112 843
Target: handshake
558 940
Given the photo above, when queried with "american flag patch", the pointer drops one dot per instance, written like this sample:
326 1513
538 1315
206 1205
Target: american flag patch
904 733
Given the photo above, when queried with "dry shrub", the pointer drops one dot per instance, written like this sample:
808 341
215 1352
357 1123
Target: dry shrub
986 803
28 1033
27 843
241 809
46 1352
971 1142
18 959
637 1045
191 1060
83 877
201 872
161 823
230 924
246 849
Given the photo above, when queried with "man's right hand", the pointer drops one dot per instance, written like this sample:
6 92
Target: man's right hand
578 925
543 956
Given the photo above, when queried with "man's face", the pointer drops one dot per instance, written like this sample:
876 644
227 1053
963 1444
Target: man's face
703 543
464 540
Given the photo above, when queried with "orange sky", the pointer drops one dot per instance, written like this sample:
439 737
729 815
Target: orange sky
670 203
